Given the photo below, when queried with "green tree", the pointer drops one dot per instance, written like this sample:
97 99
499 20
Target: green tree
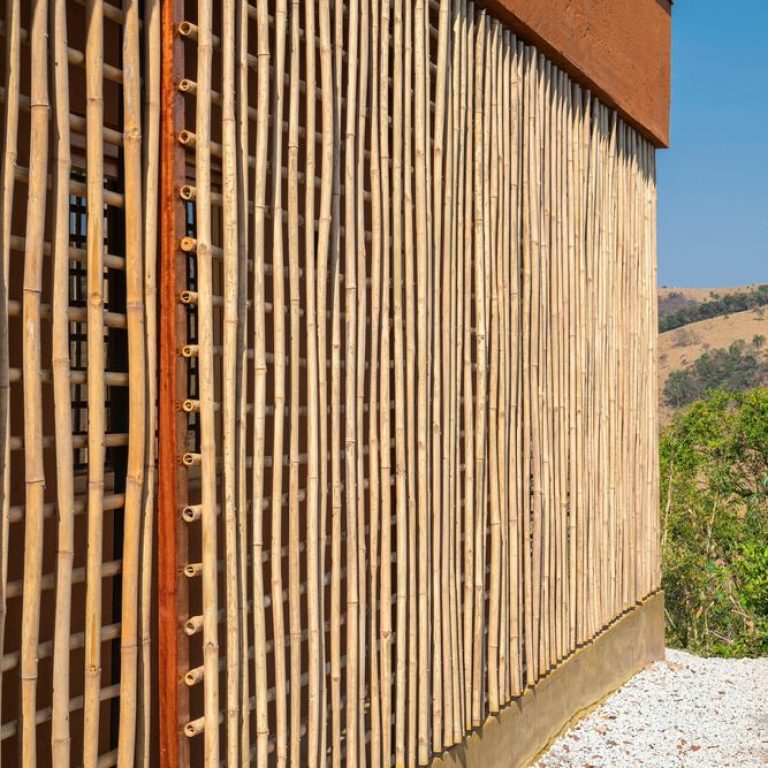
758 340
733 368
714 509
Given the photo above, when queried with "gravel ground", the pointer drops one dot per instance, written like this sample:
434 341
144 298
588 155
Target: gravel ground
685 712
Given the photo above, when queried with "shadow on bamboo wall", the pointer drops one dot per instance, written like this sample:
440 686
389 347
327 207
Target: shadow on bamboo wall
413 339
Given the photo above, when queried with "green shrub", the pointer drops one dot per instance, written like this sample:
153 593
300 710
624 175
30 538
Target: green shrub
714 508
733 368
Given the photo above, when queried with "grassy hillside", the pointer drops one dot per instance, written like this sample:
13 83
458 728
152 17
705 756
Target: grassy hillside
682 349
672 300
680 307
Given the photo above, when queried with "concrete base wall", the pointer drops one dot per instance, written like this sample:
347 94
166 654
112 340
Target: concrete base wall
514 737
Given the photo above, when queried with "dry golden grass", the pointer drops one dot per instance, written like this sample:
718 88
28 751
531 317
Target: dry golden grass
679 348
704 294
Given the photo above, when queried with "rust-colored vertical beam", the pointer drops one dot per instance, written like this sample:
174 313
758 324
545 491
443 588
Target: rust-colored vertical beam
172 481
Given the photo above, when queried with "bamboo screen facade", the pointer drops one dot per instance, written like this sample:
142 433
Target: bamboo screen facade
387 456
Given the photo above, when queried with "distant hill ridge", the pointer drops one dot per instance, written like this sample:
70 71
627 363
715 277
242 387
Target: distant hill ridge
680 307
703 350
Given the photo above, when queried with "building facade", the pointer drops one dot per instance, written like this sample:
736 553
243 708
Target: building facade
327 376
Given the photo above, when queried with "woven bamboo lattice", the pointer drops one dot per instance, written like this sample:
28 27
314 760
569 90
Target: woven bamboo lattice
406 383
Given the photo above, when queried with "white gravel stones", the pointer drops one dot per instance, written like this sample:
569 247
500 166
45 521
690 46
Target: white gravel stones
685 712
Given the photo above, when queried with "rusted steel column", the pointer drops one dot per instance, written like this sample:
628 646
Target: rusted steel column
172 477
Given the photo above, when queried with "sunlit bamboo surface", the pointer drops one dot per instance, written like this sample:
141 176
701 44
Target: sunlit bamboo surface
414 336
78 229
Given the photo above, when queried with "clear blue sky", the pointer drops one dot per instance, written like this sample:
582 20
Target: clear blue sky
713 181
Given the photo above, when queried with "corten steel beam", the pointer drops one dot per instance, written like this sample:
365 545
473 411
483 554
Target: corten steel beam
173 698
619 49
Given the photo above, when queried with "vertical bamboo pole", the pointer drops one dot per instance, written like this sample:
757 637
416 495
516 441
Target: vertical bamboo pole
151 167
10 132
512 133
651 317
460 132
411 374
562 368
592 349
294 308
468 455
34 470
401 453
206 383
556 331
480 416
645 461
329 132
278 319
633 352
94 54
314 519
376 365
134 481
567 376
625 303
505 246
613 376
502 288
458 122
359 591
598 509
575 346
385 408
572 373
242 53
230 361
538 365
538 451
588 166
627 318
439 426
444 282
552 394
505 249
542 395
350 387
592 352
420 176
527 388
517 553
336 461
492 266
260 381
582 150
60 732
450 229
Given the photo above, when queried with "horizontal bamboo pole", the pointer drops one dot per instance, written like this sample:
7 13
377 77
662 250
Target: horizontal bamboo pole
74 641
79 188
78 59
18 243
42 716
111 502
77 123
